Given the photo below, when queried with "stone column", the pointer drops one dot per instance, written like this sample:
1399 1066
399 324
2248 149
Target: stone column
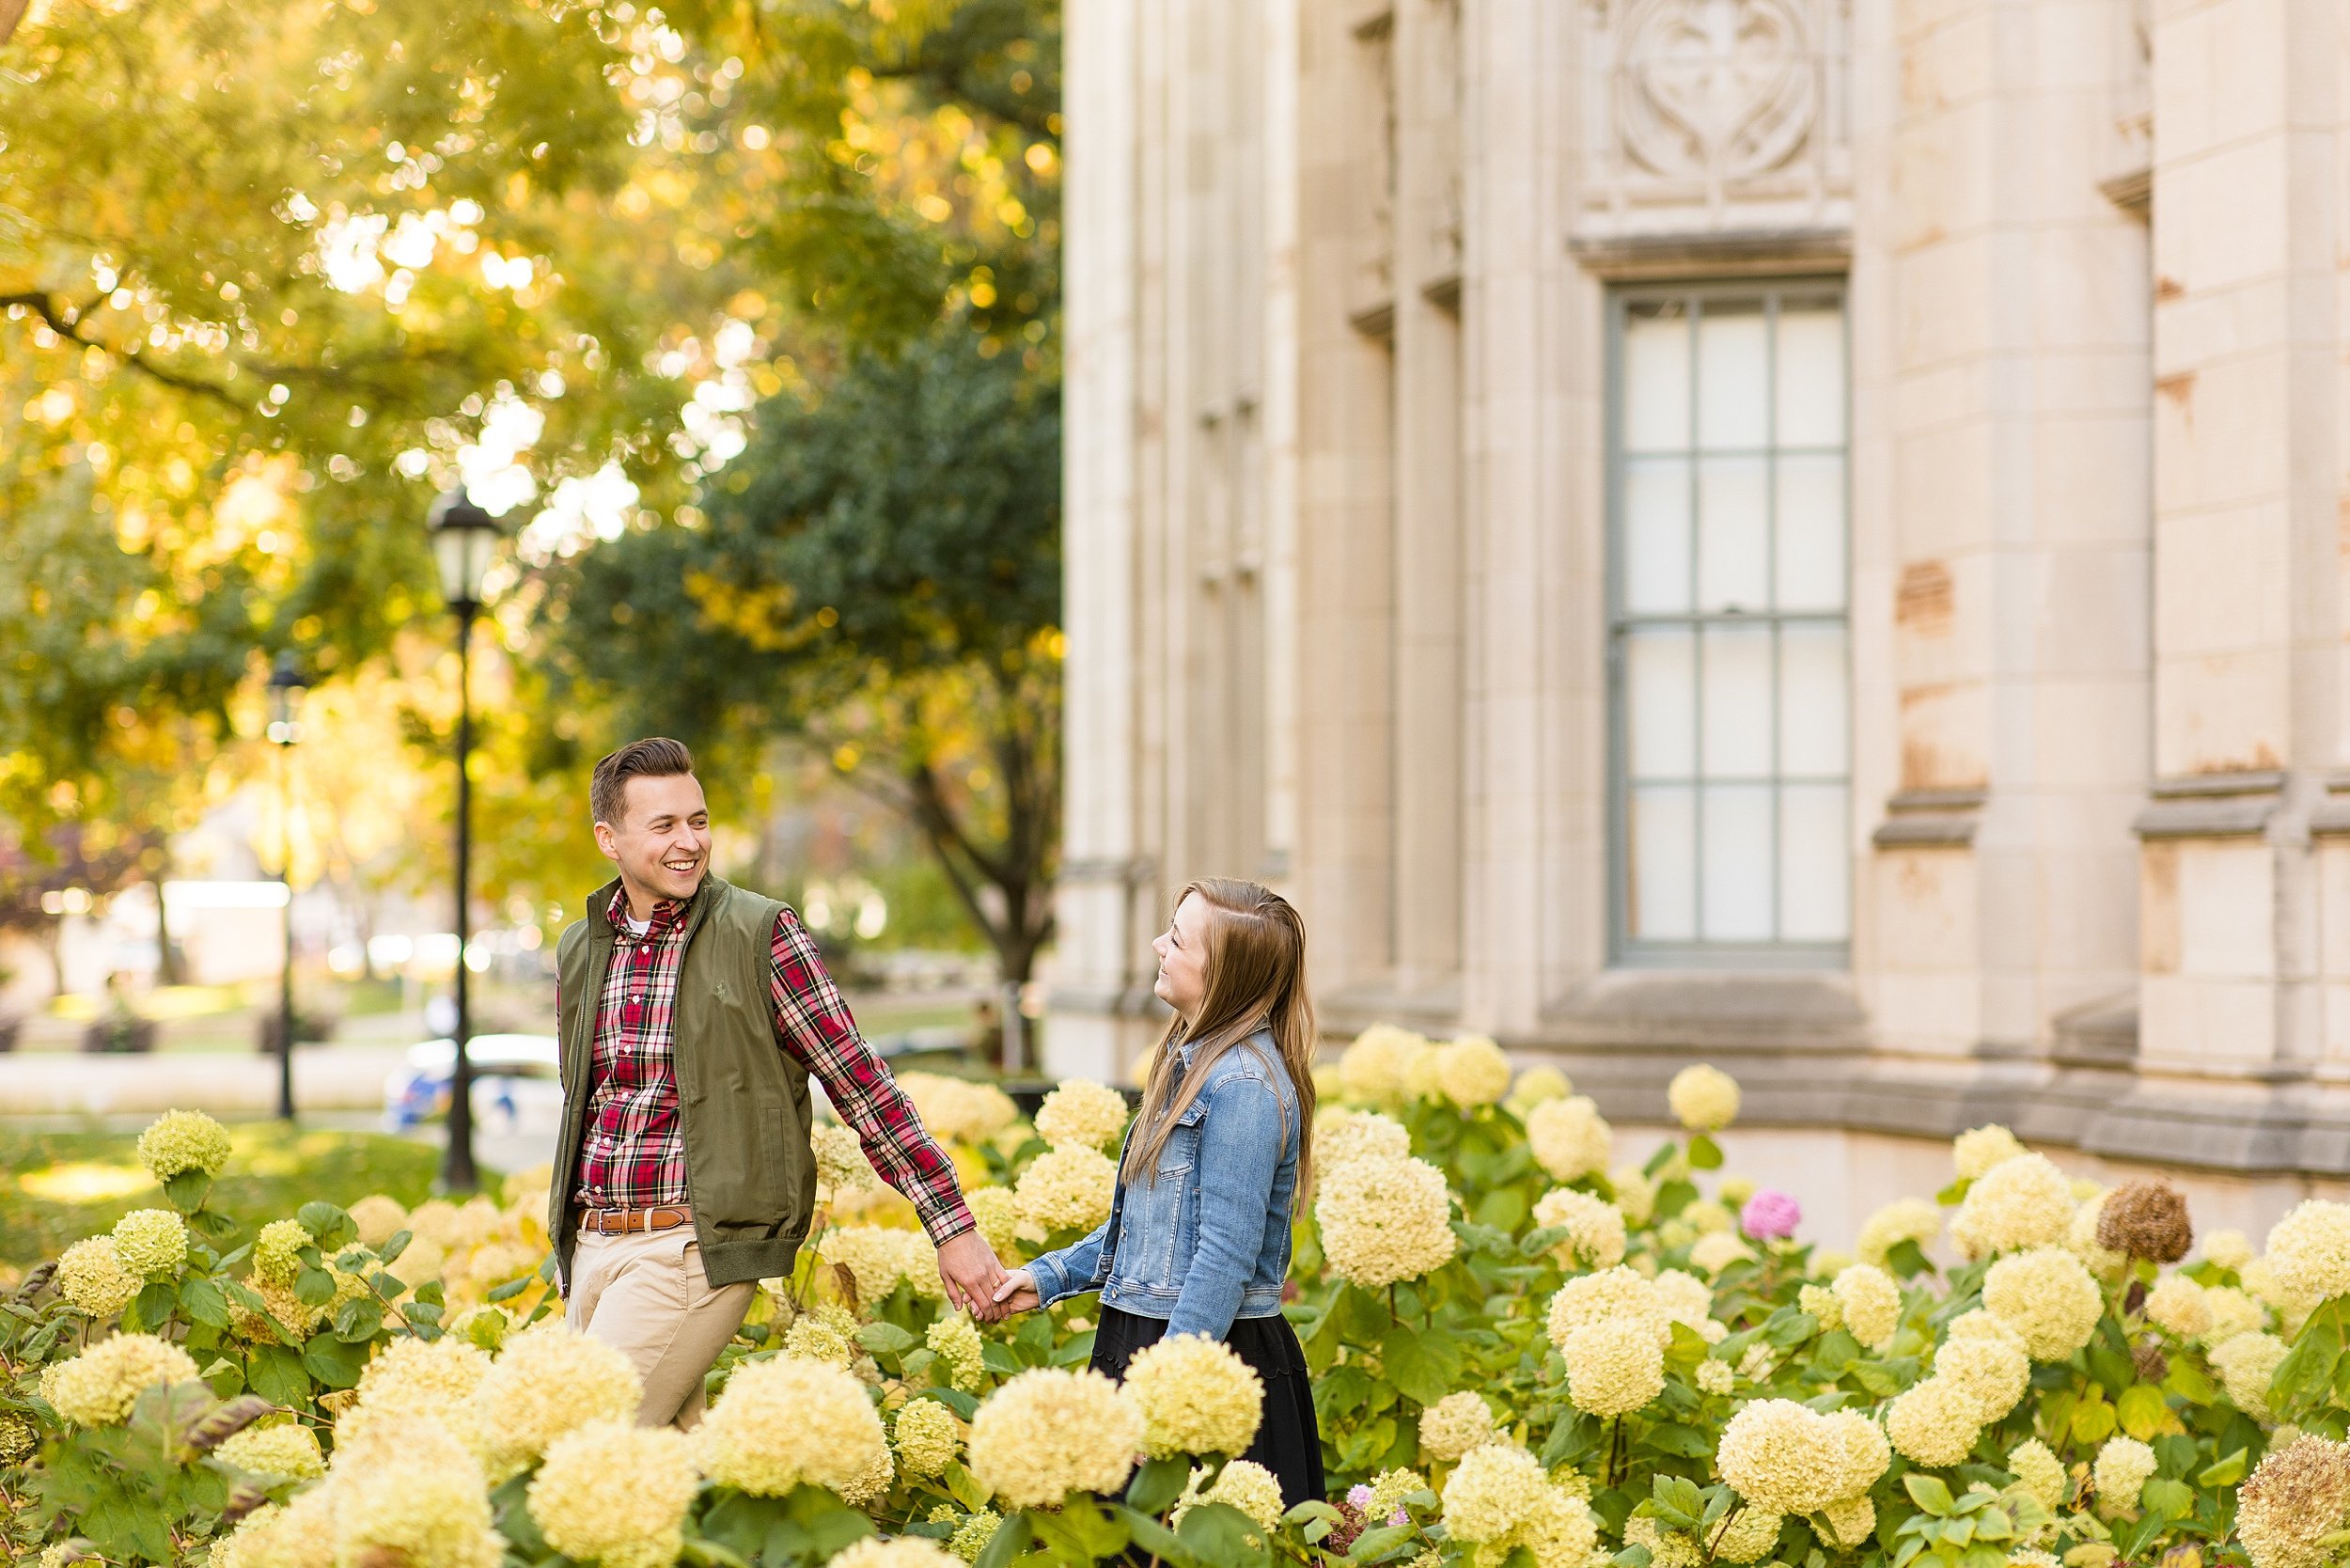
1513 264
1344 500
1428 523
1104 860
2247 110
2001 544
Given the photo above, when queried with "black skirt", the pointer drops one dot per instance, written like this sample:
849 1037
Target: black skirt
1289 1442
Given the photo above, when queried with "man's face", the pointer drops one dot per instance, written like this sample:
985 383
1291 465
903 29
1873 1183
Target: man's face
662 841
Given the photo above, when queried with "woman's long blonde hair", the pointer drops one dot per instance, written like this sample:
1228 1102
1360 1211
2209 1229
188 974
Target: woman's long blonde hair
1255 965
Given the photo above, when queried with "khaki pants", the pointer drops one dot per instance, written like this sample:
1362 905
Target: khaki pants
644 1293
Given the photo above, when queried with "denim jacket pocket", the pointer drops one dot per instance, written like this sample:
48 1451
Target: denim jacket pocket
1167 1207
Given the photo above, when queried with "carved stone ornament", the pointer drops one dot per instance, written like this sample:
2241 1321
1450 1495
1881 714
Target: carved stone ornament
1716 115
1720 87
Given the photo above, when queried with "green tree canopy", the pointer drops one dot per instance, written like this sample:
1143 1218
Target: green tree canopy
887 584
272 274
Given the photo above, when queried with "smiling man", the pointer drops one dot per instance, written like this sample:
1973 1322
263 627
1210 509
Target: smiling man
691 1014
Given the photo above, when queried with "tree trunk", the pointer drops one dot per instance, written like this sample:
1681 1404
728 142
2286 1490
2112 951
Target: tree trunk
363 917
1014 869
56 956
168 966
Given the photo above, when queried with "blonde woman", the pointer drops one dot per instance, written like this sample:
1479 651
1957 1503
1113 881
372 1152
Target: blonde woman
1197 1241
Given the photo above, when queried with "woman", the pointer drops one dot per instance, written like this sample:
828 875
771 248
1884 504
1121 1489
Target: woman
1231 1093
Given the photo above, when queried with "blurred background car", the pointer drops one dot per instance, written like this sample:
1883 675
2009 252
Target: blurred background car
517 1085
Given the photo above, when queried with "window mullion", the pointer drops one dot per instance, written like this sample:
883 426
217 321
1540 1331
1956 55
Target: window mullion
1697 639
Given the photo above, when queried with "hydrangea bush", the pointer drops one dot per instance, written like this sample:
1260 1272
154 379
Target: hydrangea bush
1526 1354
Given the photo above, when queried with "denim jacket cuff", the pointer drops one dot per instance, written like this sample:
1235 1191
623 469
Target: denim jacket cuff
1051 1283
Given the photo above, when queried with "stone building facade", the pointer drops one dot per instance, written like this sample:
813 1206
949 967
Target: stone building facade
1809 534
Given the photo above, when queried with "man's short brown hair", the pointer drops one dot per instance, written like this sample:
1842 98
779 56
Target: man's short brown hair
655 757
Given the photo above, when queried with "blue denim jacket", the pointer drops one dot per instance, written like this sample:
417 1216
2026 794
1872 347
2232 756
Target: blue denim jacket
1201 1253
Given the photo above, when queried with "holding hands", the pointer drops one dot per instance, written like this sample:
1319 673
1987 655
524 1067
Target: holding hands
974 1277
1016 1293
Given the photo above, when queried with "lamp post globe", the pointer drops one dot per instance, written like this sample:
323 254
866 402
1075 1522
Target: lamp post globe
287 685
464 538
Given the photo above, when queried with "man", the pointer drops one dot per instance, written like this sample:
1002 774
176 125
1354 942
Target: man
691 1014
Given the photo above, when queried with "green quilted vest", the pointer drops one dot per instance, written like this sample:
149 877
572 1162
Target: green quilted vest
742 1100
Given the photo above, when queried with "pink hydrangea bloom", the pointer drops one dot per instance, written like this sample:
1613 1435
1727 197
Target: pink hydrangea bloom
1770 1215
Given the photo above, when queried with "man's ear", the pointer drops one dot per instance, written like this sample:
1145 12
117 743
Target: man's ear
607 843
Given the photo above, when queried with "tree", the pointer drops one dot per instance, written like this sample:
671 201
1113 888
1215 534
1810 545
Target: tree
878 573
272 274
916 159
884 581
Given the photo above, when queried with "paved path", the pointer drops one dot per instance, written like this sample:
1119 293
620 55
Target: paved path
326 1077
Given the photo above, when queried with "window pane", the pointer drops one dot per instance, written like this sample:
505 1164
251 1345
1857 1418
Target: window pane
1737 687
1810 529
1656 536
1811 702
1737 873
1660 882
1814 865
1733 535
1734 386
1734 587
1660 684
1656 388
1811 368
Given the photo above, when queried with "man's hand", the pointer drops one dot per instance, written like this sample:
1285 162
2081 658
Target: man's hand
971 1272
1017 1292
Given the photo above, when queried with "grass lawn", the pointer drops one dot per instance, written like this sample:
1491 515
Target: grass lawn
58 1187
878 1013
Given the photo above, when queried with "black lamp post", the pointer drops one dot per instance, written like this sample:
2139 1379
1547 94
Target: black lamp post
464 537
286 685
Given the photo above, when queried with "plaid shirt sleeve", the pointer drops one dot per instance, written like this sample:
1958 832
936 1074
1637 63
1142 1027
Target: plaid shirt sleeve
814 1025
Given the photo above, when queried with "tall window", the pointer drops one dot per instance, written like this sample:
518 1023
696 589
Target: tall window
1727 626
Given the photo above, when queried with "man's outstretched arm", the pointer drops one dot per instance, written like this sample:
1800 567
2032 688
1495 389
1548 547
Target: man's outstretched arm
813 1023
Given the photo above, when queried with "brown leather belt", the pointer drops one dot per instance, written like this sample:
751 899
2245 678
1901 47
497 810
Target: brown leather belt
621 1222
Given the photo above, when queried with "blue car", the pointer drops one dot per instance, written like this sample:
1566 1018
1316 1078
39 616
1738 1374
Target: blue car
517 1083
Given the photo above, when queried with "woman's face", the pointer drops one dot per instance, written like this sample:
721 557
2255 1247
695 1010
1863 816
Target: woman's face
1182 949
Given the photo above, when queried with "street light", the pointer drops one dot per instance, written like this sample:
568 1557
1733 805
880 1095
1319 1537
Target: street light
286 685
464 537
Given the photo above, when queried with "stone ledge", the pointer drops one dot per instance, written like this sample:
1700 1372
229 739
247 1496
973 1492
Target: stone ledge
1927 830
1670 255
1805 1065
2250 781
2233 1128
1730 1011
1350 1011
2206 817
1929 818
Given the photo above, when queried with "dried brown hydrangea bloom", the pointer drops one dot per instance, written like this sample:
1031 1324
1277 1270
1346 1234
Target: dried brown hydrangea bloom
2146 1219
2297 1495
2152 1365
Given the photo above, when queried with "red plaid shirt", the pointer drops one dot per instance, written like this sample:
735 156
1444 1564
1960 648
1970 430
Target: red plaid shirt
633 1153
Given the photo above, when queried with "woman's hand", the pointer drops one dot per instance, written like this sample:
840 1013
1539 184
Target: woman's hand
1017 1291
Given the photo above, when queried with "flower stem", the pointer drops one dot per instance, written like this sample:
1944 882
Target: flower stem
1714 1546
